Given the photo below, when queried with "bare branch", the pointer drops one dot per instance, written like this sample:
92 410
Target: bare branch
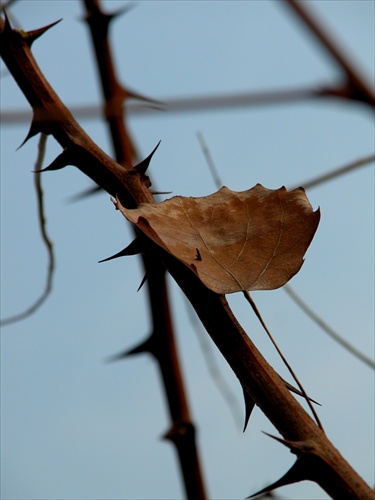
324 326
190 104
48 243
353 165
356 86
318 459
162 339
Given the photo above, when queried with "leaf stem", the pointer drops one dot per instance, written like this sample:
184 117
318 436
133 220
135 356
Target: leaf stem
291 371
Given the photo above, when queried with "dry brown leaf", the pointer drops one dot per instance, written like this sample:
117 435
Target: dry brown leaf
233 241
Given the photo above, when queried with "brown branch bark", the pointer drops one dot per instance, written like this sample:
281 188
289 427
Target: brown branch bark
355 86
206 102
318 460
161 343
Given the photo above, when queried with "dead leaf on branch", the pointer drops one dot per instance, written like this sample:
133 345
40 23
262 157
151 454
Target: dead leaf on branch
233 241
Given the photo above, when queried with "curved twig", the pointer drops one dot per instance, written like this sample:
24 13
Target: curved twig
161 343
360 162
48 243
285 361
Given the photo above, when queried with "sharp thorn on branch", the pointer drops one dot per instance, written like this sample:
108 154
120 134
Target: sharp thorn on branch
7 28
99 21
147 346
61 161
179 432
122 10
143 166
144 279
33 131
249 406
160 192
133 249
128 93
85 194
298 472
33 35
296 447
103 19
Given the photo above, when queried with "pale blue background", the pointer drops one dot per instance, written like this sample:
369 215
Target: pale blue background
73 427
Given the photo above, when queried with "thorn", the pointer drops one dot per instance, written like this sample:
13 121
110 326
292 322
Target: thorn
144 279
99 22
7 28
296 447
298 472
33 35
33 131
160 192
127 93
249 406
143 166
179 432
103 19
133 249
147 346
63 160
85 194
120 12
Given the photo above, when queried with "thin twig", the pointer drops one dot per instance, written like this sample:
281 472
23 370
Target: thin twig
162 343
289 290
209 160
189 104
45 238
361 162
357 86
291 371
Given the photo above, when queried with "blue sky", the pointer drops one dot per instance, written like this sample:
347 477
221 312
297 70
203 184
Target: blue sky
75 427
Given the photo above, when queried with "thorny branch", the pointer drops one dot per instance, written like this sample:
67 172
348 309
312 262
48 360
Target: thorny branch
317 459
161 343
354 86
207 102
